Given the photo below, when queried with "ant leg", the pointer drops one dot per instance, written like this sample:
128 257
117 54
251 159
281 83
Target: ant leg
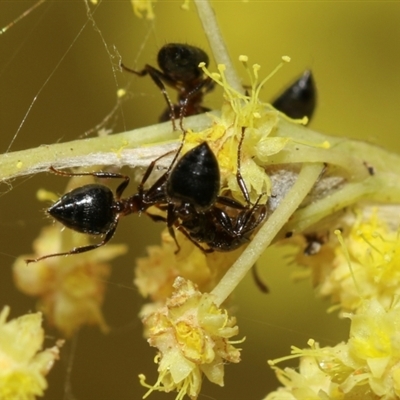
258 281
171 220
154 162
245 222
157 78
224 220
198 245
82 249
156 218
177 152
143 72
227 201
100 174
150 168
239 177
205 83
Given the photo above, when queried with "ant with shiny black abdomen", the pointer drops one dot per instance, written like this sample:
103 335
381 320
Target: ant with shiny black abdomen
205 222
299 99
179 64
188 192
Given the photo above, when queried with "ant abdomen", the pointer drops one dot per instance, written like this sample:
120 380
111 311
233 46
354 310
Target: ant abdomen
299 99
180 62
195 178
79 209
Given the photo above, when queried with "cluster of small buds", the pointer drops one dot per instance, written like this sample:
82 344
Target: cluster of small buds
70 289
155 274
192 336
365 266
145 8
360 272
23 364
367 366
141 7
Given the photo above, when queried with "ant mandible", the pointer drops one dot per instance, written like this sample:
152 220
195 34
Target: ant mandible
187 191
179 64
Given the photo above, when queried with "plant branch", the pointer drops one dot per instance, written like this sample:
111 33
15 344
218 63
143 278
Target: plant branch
306 180
217 43
128 148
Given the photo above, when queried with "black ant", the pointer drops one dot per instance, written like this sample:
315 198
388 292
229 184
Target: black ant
205 222
187 191
299 99
179 64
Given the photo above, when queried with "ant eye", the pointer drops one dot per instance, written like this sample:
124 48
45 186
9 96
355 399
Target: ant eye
79 209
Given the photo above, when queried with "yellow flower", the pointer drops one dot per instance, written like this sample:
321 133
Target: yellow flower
155 274
372 250
240 115
192 336
71 289
367 366
243 117
23 365
309 382
143 6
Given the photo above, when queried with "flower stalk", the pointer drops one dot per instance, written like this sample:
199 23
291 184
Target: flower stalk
307 177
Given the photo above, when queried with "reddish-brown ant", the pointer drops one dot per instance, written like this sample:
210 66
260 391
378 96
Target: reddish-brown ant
179 64
188 191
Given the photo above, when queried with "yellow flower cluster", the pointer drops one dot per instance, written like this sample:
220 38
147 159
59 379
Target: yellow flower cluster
192 336
156 273
71 289
143 6
242 117
366 367
367 266
362 273
373 248
23 364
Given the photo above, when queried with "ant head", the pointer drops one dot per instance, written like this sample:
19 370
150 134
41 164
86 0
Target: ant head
195 179
180 62
86 209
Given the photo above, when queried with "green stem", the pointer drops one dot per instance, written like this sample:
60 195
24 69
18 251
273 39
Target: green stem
114 150
308 176
217 43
